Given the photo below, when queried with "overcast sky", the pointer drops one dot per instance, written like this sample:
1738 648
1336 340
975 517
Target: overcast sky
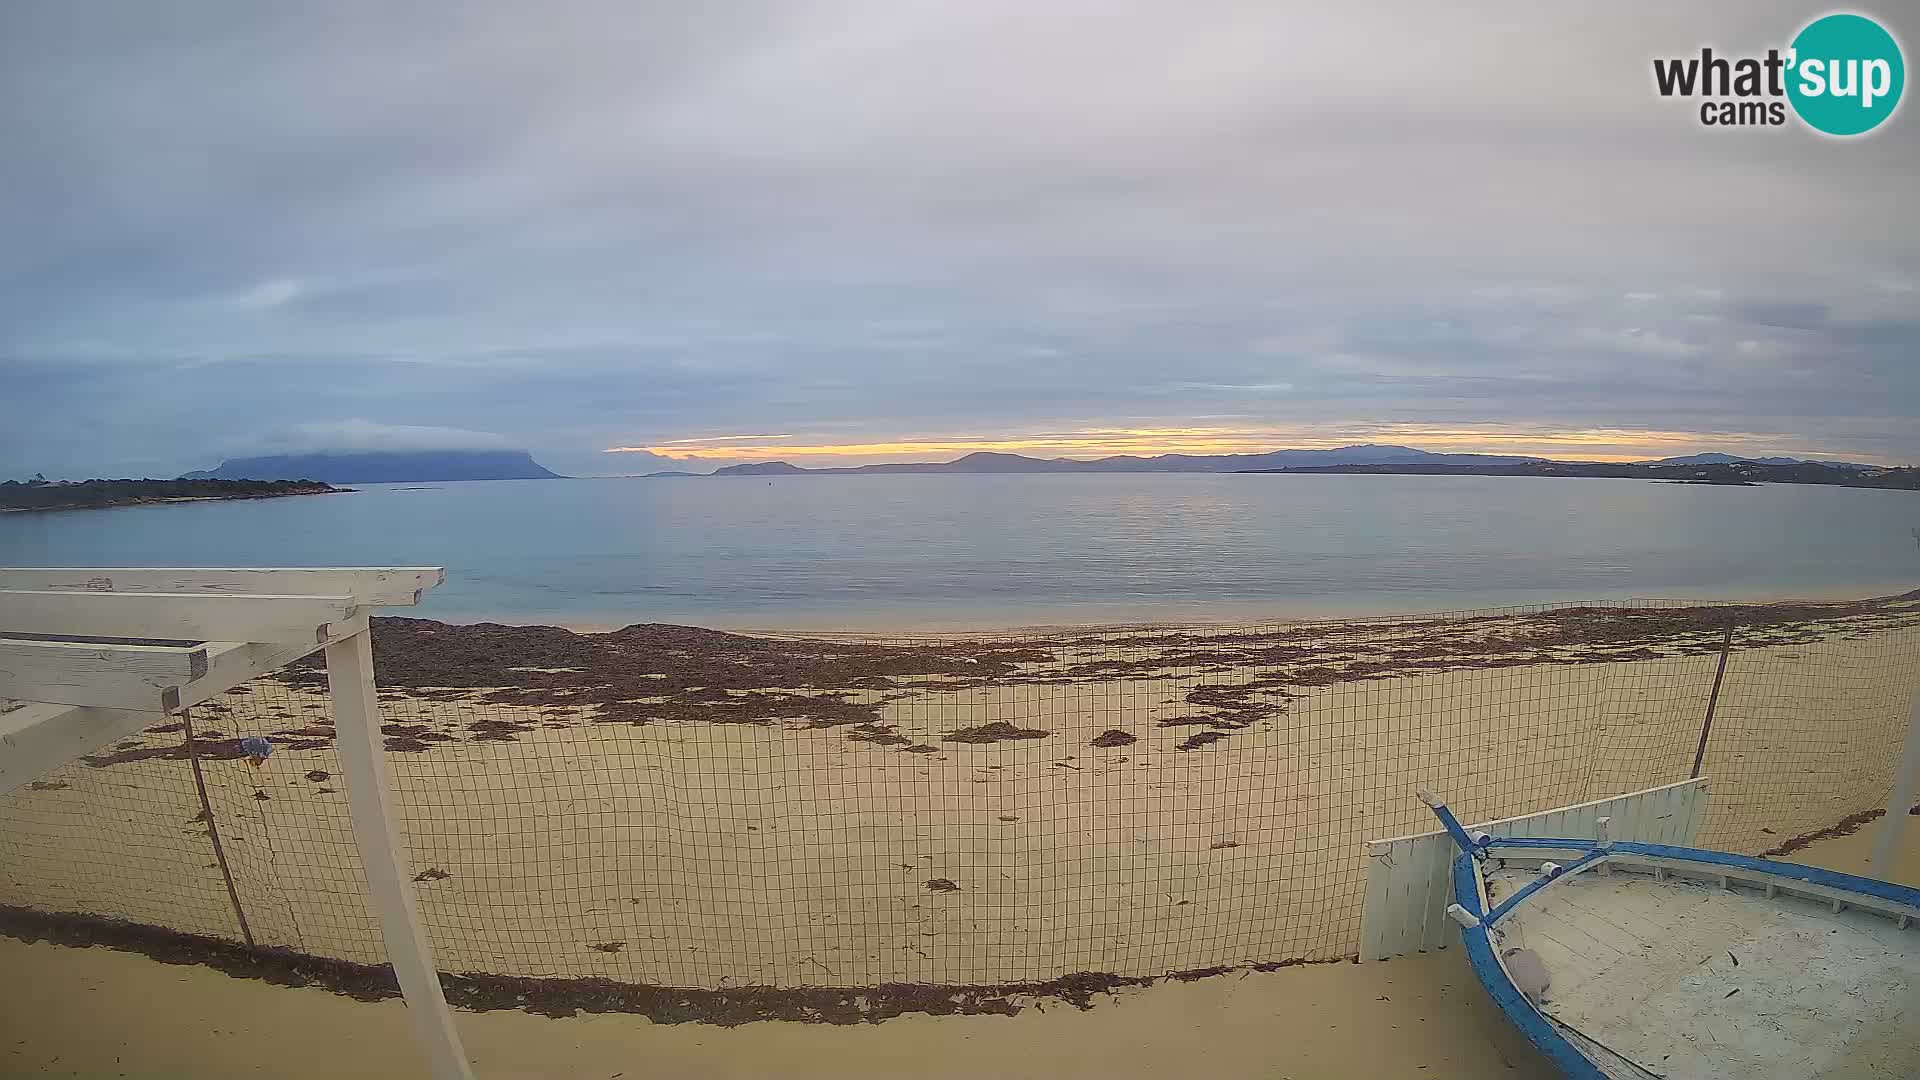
897 229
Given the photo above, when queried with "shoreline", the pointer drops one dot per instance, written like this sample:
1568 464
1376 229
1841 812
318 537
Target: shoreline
1014 623
165 501
114 494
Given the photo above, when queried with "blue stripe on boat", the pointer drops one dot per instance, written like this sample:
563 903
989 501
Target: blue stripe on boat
1519 1011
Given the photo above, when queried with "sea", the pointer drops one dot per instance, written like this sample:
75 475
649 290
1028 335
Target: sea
971 551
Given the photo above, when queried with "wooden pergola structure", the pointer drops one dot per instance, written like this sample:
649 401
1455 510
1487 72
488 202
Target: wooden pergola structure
90 655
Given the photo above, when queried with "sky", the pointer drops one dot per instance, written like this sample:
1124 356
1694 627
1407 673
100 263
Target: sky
627 234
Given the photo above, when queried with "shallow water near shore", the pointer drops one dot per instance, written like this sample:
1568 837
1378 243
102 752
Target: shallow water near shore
955 552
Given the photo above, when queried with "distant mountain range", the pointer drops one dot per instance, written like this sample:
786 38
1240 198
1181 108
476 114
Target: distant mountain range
1729 459
1361 457
382 466
987 462
402 466
1737 473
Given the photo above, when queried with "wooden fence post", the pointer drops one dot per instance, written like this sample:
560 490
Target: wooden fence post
213 826
363 759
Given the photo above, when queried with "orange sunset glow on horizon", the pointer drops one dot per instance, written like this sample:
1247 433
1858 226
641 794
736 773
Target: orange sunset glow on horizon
1594 444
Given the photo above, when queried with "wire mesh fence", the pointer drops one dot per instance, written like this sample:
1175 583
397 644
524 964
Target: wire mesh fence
673 807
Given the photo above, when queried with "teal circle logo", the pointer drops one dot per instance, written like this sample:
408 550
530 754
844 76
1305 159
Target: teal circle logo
1846 74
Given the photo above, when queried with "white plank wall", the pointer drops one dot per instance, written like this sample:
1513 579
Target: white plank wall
1409 878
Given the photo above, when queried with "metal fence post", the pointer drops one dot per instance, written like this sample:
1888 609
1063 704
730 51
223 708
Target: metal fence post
1886 840
363 759
1713 701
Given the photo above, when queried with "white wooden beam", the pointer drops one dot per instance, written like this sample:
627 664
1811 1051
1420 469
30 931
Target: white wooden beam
188 617
368 585
228 667
142 677
38 738
369 782
116 676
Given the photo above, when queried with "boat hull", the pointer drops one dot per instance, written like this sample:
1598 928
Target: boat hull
1637 960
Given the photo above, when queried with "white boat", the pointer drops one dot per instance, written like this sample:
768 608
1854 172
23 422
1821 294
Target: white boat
1630 961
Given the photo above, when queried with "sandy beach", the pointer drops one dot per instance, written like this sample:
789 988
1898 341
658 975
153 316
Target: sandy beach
674 807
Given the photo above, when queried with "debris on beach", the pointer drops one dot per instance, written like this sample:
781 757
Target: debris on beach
1195 742
319 775
941 884
205 749
656 673
1114 737
497 730
432 873
998 731
411 738
608 946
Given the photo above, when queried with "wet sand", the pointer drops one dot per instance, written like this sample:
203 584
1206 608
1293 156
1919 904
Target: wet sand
1016 621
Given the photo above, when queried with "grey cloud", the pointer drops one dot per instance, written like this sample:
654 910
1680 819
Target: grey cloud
359 434
1787 316
606 224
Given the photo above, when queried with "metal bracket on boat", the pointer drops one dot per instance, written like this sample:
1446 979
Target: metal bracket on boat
1603 843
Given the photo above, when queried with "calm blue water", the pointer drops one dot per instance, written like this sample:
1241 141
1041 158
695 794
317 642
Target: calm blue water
887 551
